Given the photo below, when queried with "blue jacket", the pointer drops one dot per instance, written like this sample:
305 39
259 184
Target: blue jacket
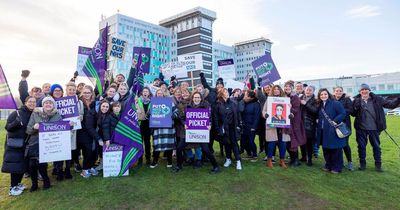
251 115
337 113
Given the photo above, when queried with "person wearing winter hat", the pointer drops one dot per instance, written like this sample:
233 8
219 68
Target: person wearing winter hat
56 91
369 122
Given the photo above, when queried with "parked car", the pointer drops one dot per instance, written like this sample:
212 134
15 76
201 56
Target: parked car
394 112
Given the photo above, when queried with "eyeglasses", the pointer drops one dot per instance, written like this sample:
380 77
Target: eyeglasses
57 90
87 93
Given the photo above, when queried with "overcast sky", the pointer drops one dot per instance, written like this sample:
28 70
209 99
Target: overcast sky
312 39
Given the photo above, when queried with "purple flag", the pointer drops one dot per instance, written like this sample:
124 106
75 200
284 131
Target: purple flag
141 59
127 133
265 69
6 98
161 112
96 64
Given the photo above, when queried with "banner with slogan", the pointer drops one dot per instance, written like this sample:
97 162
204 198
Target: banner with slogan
265 69
197 123
54 141
127 133
173 69
67 107
226 69
96 64
6 98
117 47
278 111
112 161
83 54
191 62
141 59
161 112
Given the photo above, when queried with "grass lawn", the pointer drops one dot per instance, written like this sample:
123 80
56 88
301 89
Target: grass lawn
255 187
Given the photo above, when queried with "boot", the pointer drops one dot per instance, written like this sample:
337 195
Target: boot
68 173
46 184
282 163
34 187
269 163
363 165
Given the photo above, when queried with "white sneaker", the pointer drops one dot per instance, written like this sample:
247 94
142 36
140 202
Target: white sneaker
227 163
238 165
21 186
15 191
85 173
93 172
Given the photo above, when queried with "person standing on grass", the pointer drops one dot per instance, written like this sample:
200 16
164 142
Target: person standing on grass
332 145
251 117
274 135
348 106
164 138
197 101
143 112
226 121
13 159
369 122
309 112
46 113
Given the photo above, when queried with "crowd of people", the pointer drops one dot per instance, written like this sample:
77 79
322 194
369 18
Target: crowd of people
238 115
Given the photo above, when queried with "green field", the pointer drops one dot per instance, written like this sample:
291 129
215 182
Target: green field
256 187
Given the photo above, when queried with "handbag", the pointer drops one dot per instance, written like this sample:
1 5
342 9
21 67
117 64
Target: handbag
15 143
342 131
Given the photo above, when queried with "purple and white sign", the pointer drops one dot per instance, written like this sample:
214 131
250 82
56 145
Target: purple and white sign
226 69
197 124
54 141
68 109
161 112
265 69
6 98
141 59
83 54
112 161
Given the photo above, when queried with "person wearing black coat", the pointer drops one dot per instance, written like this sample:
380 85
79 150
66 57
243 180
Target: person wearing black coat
348 106
369 122
14 158
226 121
250 116
309 112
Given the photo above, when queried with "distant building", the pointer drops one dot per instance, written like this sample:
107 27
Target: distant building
382 84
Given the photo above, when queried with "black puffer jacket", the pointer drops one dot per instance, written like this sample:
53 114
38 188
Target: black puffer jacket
107 125
13 159
90 118
379 104
309 112
348 106
84 135
226 119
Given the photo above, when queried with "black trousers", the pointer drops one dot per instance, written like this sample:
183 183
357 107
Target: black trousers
232 145
146 134
333 159
347 150
89 155
204 147
261 136
307 149
16 179
168 153
34 167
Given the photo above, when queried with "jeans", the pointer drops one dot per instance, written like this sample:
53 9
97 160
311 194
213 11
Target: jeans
362 137
197 153
281 146
204 147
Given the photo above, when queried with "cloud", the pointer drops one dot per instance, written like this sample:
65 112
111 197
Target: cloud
364 11
302 47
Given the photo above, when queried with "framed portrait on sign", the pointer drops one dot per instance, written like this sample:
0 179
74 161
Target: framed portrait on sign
278 110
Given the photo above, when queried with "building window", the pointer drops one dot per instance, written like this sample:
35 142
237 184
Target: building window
390 87
382 87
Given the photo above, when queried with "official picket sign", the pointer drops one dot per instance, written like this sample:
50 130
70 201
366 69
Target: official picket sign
117 47
265 69
112 161
68 109
197 123
161 112
278 110
54 141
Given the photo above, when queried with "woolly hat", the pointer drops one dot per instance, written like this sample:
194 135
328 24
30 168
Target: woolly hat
364 86
54 86
48 98
219 81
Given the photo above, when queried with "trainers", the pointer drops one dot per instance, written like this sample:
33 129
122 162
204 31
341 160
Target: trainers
253 159
93 172
85 173
227 163
21 186
153 165
100 166
169 165
350 166
238 165
15 191
266 158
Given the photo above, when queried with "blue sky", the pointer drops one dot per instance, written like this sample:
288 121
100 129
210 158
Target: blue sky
312 39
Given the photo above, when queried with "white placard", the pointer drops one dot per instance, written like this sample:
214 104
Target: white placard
230 83
191 62
173 69
112 161
54 142
278 110
226 69
197 136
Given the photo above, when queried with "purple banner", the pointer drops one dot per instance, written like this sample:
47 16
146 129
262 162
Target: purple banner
141 59
67 106
54 126
6 98
96 64
197 119
265 69
84 50
161 112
